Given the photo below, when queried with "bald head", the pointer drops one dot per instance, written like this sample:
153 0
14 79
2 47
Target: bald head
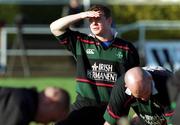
139 82
53 105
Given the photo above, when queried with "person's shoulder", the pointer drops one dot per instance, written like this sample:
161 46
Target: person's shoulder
158 70
120 41
154 68
12 89
25 91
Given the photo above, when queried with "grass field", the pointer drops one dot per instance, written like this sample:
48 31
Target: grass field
66 83
42 82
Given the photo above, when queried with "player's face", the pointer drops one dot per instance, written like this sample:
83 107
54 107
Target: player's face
144 96
100 25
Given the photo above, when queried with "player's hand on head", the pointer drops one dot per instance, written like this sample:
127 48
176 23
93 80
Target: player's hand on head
91 14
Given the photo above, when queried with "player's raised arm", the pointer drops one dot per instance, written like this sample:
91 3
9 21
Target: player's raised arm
59 26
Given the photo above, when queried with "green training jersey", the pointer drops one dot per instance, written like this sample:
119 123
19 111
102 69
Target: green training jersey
155 111
98 67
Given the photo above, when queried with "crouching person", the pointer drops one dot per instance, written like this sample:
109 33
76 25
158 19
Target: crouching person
20 106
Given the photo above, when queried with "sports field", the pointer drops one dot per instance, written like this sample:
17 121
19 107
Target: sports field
66 83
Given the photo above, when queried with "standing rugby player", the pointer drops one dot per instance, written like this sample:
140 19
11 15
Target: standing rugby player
101 58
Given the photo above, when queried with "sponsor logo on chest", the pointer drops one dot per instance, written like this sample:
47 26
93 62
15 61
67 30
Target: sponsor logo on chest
102 72
90 51
153 119
119 55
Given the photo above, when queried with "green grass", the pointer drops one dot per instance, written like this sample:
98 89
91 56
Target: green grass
42 82
66 83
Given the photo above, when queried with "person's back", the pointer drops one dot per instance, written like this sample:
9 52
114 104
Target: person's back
144 90
160 76
20 106
17 106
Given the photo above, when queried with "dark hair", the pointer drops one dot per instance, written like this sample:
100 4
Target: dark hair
102 8
65 99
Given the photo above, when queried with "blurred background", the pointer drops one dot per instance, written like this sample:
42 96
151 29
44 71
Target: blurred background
29 49
30 54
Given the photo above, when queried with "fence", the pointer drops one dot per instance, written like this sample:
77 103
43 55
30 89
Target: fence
142 27
145 46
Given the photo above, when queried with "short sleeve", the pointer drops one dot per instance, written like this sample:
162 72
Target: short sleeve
119 103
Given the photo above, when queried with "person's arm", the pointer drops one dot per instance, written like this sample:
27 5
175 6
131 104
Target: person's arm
116 108
59 26
133 57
